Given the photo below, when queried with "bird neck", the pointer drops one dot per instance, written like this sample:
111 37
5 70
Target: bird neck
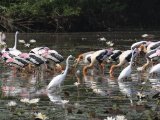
15 43
0 37
67 66
132 57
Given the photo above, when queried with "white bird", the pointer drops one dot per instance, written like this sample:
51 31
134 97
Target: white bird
155 69
126 72
13 50
56 81
2 38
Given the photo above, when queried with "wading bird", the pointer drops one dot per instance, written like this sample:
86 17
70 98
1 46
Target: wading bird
126 72
56 81
125 57
99 57
138 44
155 69
150 56
115 56
2 39
83 57
13 50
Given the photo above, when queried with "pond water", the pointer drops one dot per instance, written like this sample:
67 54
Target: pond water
96 98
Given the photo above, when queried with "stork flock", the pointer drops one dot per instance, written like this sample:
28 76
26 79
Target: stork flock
91 59
150 50
35 57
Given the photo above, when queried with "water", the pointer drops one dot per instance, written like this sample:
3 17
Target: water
96 98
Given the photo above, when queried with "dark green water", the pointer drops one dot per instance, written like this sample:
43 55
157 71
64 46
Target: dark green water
96 98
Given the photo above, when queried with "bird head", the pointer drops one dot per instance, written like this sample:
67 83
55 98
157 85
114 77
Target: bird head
142 49
17 32
71 57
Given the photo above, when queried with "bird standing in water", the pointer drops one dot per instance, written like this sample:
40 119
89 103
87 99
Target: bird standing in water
98 56
126 72
13 50
56 81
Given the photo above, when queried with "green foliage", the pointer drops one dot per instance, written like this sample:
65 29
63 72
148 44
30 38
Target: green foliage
73 15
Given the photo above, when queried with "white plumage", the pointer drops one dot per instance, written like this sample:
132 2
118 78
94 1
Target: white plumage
137 44
56 81
126 72
13 50
155 69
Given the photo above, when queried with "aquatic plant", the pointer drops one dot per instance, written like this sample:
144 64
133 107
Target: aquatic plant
32 101
11 104
40 116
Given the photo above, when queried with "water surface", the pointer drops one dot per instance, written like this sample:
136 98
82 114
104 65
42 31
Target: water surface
96 98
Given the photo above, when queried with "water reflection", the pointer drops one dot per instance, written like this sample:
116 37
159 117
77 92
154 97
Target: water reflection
91 97
94 83
125 89
56 99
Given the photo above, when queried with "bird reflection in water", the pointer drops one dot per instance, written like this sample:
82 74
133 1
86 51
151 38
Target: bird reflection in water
92 82
56 99
125 89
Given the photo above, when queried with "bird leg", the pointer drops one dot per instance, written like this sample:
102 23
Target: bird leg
80 57
102 66
60 87
58 68
142 48
114 66
86 68
144 66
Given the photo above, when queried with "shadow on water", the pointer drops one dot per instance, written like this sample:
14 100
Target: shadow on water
97 97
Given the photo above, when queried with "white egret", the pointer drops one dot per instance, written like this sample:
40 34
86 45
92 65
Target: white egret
13 50
126 72
155 69
56 81
2 38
